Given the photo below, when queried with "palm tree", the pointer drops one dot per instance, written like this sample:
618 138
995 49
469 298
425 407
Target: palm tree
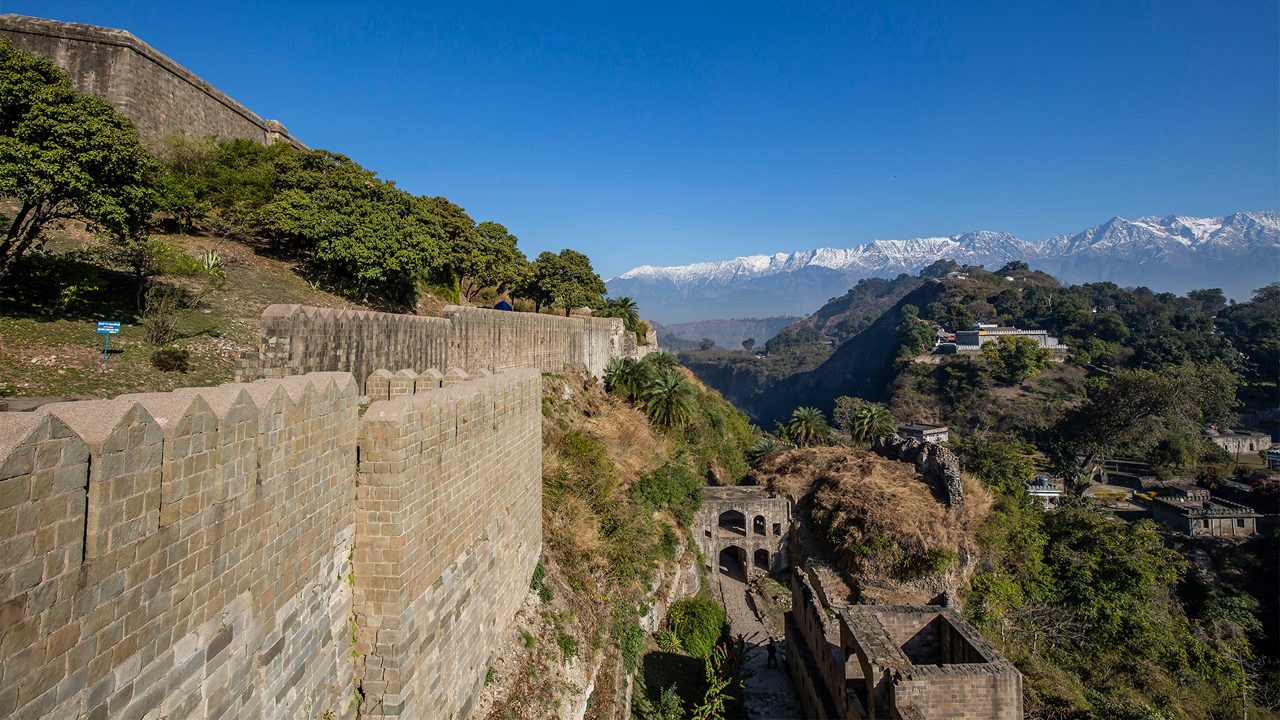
660 361
764 446
624 308
628 378
669 399
871 421
807 426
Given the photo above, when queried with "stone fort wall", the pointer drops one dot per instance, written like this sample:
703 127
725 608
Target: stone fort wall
297 339
258 550
158 95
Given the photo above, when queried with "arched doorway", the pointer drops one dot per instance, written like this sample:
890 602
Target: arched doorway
758 525
733 562
733 522
761 560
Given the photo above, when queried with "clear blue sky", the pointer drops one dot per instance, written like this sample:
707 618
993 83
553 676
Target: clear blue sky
666 133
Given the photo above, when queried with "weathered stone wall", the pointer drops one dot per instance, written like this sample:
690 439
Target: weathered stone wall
299 339
158 95
181 553
938 465
190 554
448 533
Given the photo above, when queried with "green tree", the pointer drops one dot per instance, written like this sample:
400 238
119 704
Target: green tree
706 344
748 344
1133 409
807 426
669 399
846 409
566 278
488 258
1015 359
870 421
65 155
1003 462
1254 329
625 308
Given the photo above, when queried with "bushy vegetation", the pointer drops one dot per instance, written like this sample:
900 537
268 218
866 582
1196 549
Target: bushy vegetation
619 492
1089 608
171 359
696 623
710 434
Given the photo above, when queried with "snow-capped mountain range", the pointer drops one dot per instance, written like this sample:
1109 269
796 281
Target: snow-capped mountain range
1238 253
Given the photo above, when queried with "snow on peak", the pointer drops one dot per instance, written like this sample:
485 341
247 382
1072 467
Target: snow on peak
1140 239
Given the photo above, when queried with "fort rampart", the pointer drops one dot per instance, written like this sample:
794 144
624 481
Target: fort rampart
300 339
260 550
158 95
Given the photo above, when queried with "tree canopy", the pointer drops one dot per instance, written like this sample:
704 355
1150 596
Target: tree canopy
65 155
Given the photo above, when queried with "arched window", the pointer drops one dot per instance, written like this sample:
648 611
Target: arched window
761 559
758 525
733 522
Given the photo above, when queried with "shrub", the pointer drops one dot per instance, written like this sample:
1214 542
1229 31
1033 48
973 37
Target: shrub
171 359
160 318
668 642
696 622
672 487
568 645
538 583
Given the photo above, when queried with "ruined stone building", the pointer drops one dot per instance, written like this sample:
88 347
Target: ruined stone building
894 662
743 531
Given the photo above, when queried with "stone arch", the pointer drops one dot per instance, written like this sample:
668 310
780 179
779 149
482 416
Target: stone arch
761 560
758 525
733 522
733 562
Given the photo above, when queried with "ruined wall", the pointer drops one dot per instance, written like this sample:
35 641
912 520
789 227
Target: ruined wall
939 466
434 587
190 554
158 95
816 663
298 339
183 553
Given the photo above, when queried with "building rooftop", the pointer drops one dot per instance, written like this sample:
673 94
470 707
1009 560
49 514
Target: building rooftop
922 427
736 492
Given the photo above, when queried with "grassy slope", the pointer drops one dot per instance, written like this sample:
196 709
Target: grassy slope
46 351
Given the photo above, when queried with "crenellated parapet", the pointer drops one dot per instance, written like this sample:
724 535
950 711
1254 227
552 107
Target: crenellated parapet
190 554
297 339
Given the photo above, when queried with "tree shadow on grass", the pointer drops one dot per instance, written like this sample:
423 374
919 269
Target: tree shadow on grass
56 287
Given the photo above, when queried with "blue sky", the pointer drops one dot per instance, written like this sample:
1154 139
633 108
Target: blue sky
665 133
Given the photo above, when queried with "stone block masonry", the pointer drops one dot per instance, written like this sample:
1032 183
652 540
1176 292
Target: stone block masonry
158 95
448 531
298 339
190 554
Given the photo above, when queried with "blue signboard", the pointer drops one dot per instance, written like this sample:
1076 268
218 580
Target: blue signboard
107 328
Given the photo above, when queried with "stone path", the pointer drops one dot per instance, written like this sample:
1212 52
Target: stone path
769 693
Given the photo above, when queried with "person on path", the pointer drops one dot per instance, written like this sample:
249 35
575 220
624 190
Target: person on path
773 655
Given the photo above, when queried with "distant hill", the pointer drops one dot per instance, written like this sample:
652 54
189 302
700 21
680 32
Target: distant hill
729 334
1237 253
